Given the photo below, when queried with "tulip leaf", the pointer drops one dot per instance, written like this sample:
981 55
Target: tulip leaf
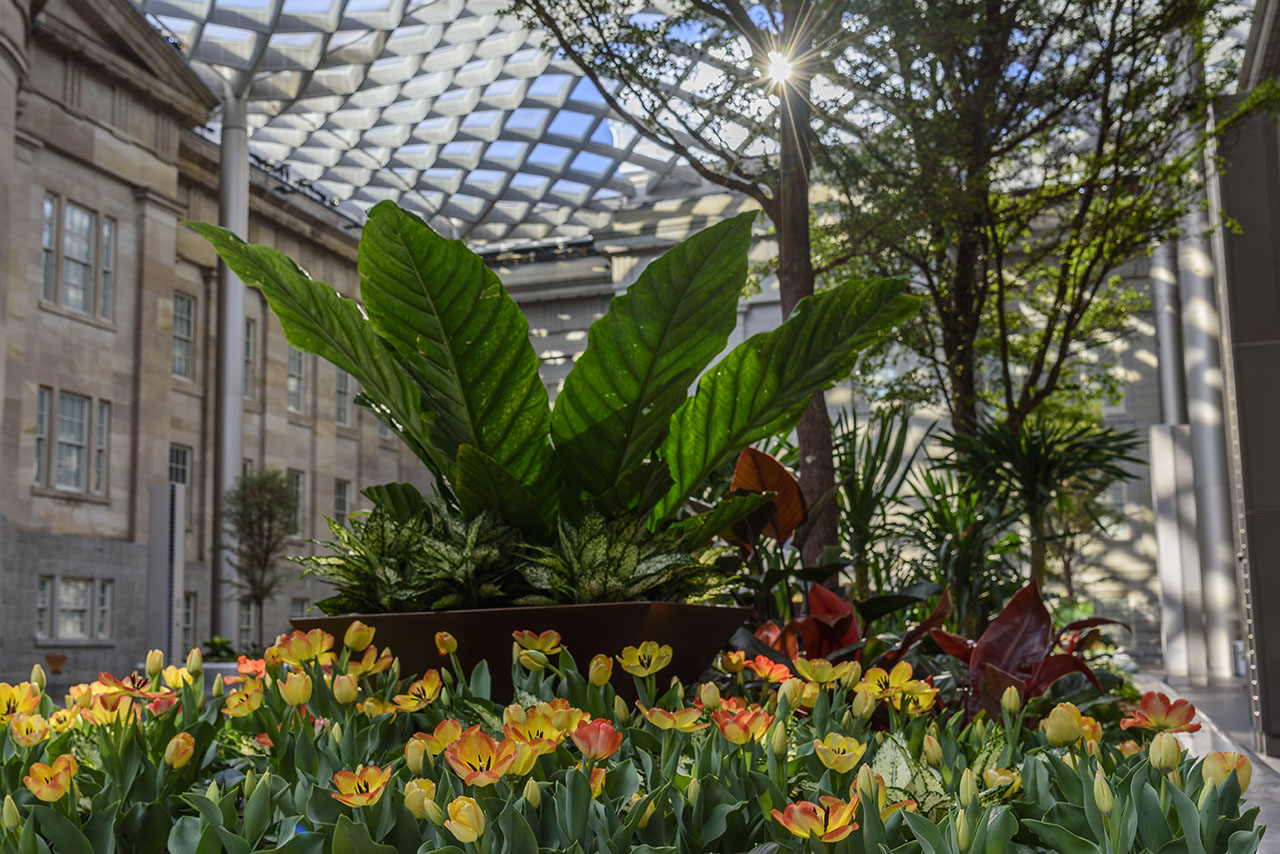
257 812
645 352
350 837
65 837
763 385
1245 841
460 336
318 320
1153 829
1059 838
1189 816
926 833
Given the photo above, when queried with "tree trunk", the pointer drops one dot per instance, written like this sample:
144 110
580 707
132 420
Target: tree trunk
1037 523
795 281
261 646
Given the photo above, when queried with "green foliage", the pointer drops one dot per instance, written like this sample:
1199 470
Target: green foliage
625 443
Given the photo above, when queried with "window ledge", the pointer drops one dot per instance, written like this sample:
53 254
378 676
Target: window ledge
74 643
347 431
300 420
54 308
66 495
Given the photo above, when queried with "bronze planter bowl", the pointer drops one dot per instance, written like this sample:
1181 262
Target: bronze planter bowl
695 632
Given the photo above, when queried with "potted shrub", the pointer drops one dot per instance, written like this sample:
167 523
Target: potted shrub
585 506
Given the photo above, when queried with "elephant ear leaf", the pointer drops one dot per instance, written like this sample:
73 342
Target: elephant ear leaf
645 352
318 320
461 337
763 385
483 485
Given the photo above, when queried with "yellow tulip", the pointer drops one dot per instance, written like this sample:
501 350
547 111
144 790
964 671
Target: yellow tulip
358 636
1165 753
931 752
600 670
362 788
155 663
179 750
466 819
1102 794
38 678
1063 725
839 752
28 730
296 689
416 794
446 644
345 689
646 659
1011 700
1219 764
532 794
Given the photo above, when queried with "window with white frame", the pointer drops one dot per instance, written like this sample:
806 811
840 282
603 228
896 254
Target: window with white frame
80 443
180 471
43 395
341 500
78 258
249 345
244 627
44 607
74 608
189 612
297 483
102 436
246 466
102 615
342 397
72 433
384 432
184 336
296 386
298 607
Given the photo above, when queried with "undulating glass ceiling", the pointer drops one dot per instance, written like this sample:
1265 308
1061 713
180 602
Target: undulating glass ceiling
445 106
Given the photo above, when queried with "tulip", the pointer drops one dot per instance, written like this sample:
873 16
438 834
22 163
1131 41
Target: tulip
533 660
732 662
345 688
296 689
1165 753
50 782
547 643
526 756
778 743
863 705
597 740
1130 748
272 657
865 785
28 730
416 794
10 819
421 693
179 750
155 663
1063 725
195 662
335 733
968 788
432 811
176 677
371 663
414 751
852 676
597 781
1011 701
691 793
445 734
219 686
791 691
600 670
1102 794
250 783
478 759
246 701
964 832
769 670
21 699
38 678
1155 712
681 720
709 695
466 820
931 751
532 794
621 713
358 636
363 788
1218 765
646 659
821 671
740 728
446 644
995 777
839 752
212 792
648 811
830 820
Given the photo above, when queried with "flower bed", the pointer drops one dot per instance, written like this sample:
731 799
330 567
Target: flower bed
316 750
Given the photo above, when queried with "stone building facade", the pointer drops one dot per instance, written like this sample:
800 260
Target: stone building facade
108 345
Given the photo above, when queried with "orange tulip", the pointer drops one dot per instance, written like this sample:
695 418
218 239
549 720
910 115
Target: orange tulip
246 701
421 693
732 662
681 720
740 728
597 740
445 734
363 788
769 670
536 729
597 781
831 821
478 759
446 644
1155 712
547 643
50 783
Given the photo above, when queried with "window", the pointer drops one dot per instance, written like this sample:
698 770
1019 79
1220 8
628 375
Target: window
184 336
44 599
73 427
342 397
102 621
75 596
107 292
248 356
341 492
1115 499
48 250
43 395
384 432
296 481
102 433
78 249
189 602
297 379
246 467
244 627
298 607
180 471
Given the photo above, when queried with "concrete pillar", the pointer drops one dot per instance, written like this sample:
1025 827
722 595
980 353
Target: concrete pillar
1201 334
233 214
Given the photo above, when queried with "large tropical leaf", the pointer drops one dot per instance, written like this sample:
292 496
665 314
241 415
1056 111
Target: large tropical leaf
756 471
461 337
760 388
318 320
646 351
484 485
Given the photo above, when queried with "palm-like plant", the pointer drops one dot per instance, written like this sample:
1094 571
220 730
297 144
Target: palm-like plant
443 355
1040 466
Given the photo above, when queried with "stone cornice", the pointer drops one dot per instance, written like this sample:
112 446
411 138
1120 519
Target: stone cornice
151 196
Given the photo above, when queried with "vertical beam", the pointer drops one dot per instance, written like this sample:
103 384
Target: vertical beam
1200 329
1167 303
233 214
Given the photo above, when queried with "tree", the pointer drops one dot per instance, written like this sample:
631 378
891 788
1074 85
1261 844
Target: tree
1010 156
259 511
728 86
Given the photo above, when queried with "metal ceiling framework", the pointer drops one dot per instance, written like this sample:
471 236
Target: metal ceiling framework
447 107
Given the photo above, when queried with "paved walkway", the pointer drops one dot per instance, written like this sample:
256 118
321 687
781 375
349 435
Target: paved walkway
1223 708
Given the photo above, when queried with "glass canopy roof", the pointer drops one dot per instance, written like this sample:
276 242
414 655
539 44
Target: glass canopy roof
447 107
